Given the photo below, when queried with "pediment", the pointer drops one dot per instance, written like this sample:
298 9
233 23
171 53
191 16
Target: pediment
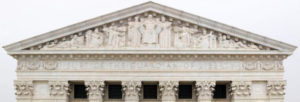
150 26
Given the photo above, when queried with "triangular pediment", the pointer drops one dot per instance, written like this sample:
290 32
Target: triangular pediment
150 26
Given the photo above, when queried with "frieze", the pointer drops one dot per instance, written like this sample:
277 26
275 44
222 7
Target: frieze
149 30
150 62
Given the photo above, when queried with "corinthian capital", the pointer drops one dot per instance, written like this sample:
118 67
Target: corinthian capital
168 88
131 90
205 88
23 88
276 87
59 88
241 88
94 88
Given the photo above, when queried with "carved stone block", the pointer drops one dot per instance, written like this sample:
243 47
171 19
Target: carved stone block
131 90
205 90
168 90
95 90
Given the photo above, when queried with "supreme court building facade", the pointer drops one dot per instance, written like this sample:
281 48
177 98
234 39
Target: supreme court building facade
149 53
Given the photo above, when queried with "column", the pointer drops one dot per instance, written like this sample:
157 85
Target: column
95 90
275 90
205 90
168 90
59 90
240 91
24 90
131 90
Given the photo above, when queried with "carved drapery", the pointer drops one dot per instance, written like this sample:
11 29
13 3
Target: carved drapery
24 88
131 90
149 30
59 88
240 88
276 87
205 90
168 90
95 90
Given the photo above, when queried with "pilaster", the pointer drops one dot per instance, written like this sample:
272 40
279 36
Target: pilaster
131 90
95 90
168 90
205 90
59 90
275 90
240 91
24 90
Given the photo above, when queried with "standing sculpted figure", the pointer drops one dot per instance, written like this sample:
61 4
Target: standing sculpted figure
165 36
182 36
77 41
116 35
150 30
208 40
94 39
134 36
224 43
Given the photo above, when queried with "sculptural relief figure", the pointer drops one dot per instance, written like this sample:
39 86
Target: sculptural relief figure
224 43
134 36
64 44
253 46
195 40
49 45
240 45
94 39
209 41
165 36
77 41
182 36
150 30
116 35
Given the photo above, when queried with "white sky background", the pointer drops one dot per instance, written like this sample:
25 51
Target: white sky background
277 19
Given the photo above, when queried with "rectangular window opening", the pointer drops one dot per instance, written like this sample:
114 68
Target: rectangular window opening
80 92
220 92
114 91
150 91
185 92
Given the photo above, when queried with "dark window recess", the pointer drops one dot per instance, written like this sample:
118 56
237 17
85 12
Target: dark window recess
185 92
79 91
115 91
220 91
150 91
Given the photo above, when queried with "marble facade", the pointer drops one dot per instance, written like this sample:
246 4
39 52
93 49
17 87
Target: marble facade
150 43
